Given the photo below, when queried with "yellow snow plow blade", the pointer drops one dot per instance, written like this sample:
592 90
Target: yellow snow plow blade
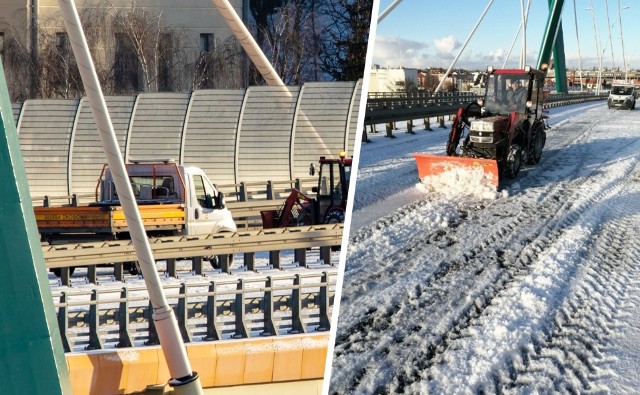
435 165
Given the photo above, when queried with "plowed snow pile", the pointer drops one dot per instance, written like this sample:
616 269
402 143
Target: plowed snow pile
462 181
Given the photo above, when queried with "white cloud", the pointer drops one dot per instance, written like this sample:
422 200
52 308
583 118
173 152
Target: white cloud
446 45
399 52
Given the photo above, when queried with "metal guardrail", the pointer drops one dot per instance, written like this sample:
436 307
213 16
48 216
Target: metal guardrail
221 245
216 310
425 105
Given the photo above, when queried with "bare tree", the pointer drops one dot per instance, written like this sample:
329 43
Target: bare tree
346 36
17 62
220 67
139 32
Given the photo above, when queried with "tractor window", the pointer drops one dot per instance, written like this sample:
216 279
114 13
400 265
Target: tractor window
506 93
495 94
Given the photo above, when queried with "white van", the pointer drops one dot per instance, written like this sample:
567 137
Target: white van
622 96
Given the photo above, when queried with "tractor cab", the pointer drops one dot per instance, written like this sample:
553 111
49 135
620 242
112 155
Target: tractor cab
333 188
328 205
514 90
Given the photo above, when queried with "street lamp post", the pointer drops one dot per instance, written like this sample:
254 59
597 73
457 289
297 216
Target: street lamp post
575 16
624 59
613 61
597 37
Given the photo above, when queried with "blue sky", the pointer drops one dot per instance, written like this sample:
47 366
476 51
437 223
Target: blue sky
430 33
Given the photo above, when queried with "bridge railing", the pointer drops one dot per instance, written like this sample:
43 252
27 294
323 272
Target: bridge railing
208 311
384 108
198 249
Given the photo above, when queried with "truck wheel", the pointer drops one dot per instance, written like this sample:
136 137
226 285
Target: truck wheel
215 263
58 271
132 267
514 161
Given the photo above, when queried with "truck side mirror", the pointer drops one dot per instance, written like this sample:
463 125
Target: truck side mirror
208 201
220 202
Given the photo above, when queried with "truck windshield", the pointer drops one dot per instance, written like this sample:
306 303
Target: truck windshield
622 90
506 93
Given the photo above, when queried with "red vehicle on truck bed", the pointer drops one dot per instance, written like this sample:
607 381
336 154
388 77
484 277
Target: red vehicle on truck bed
327 207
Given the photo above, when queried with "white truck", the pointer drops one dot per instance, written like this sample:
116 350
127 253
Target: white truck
172 200
622 95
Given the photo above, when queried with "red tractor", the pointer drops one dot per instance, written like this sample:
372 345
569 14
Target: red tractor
327 207
508 128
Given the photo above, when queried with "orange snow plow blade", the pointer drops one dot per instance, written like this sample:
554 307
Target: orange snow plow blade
433 165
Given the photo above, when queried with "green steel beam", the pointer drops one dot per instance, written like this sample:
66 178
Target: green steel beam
551 32
559 64
31 355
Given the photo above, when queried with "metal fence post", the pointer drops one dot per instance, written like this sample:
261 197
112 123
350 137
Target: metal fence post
270 193
250 261
182 314
196 265
269 324
241 331
153 339
325 255
274 259
300 256
427 124
94 322
243 192
224 263
125 339
325 302
118 271
92 275
297 326
171 268
65 275
63 322
389 128
410 126
213 332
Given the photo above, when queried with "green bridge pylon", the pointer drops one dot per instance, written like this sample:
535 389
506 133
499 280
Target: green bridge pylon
32 359
553 41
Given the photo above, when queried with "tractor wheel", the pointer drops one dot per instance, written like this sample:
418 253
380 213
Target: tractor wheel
334 217
514 161
538 143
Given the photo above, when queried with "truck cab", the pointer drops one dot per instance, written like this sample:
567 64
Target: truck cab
172 200
622 95
166 183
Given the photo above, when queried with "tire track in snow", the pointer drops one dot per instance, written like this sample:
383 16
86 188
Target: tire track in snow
480 265
571 357
534 323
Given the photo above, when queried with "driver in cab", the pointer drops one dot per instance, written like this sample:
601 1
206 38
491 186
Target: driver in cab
516 96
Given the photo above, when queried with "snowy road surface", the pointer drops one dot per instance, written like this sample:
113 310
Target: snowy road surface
532 290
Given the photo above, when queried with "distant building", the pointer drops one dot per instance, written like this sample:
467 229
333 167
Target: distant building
393 80
28 26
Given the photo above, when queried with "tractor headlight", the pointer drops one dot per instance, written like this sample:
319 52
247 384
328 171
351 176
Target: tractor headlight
481 126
